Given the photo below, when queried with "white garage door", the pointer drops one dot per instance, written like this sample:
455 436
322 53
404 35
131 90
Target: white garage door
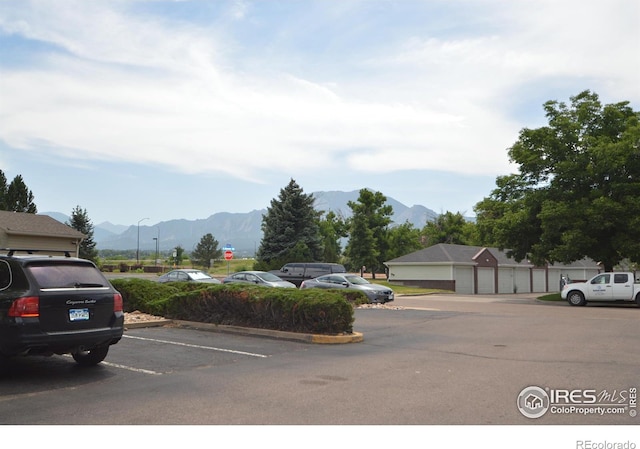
505 280
486 284
539 281
523 280
554 281
464 280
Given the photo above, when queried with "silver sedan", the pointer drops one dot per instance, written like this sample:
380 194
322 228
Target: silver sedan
188 275
257 278
375 292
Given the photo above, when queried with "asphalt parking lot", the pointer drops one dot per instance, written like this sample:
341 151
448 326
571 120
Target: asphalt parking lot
424 360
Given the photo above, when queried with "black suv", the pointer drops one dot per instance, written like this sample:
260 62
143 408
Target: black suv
56 305
301 271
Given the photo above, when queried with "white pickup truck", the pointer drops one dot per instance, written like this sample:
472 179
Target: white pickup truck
618 286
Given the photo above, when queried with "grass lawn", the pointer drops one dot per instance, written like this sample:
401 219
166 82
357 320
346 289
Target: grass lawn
407 290
551 297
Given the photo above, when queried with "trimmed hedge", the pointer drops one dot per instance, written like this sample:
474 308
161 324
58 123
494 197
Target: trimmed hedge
312 311
145 295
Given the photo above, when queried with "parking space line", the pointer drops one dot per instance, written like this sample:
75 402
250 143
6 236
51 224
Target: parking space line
130 368
210 348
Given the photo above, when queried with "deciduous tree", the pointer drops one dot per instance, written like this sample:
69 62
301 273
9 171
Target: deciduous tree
404 239
450 228
369 227
577 191
333 228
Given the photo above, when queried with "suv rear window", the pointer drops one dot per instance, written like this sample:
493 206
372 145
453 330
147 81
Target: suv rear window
5 275
66 275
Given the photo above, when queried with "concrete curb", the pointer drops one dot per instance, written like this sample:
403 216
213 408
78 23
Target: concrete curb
355 337
147 323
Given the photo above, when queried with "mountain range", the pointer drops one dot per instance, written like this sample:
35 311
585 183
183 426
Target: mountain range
243 231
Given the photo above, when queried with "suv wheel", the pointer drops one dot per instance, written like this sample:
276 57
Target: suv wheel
92 357
4 364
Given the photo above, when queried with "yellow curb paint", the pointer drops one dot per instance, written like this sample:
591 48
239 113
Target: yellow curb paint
355 337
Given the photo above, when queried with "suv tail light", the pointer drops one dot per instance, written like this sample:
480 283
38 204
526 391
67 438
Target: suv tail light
26 307
117 303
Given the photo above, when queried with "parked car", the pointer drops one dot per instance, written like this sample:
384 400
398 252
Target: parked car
375 292
188 275
57 305
257 278
297 272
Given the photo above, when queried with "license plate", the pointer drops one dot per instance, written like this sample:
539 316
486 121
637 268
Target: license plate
78 314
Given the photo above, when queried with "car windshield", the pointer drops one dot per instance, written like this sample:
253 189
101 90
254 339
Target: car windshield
269 277
356 280
197 275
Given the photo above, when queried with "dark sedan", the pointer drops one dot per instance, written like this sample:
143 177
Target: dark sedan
375 292
188 275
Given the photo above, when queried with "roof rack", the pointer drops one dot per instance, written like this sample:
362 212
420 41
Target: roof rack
12 251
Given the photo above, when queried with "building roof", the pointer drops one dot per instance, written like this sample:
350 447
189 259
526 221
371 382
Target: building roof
466 254
21 223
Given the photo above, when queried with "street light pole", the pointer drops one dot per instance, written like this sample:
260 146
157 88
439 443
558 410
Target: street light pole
155 261
157 239
138 247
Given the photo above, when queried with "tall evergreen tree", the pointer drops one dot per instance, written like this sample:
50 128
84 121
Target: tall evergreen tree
206 250
3 191
80 222
290 230
369 237
16 197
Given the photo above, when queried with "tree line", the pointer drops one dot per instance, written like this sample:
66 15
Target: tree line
16 197
576 194
293 230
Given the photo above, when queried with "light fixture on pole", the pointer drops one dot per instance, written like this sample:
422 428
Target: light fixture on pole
138 247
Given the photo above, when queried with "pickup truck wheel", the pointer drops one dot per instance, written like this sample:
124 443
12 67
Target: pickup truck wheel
92 357
576 298
638 299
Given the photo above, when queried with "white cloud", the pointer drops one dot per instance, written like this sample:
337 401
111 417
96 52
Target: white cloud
142 89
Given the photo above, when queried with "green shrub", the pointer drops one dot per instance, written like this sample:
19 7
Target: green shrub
313 310
291 310
144 295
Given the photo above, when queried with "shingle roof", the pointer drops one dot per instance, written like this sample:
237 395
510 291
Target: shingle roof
34 224
463 254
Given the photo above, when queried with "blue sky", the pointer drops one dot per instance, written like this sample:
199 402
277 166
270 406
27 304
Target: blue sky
180 109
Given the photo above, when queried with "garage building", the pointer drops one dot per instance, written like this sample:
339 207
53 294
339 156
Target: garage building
20 230
481 270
